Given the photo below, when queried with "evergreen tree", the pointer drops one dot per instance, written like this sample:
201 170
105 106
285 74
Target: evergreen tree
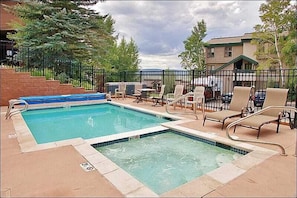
62 29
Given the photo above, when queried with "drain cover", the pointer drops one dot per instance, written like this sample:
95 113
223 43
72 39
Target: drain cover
87 166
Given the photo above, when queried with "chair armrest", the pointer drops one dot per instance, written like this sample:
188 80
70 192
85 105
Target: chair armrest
244 111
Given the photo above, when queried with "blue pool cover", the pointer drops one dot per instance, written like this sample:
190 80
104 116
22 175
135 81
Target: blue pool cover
63 98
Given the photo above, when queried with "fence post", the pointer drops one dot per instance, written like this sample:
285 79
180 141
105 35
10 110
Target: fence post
43 72
28 57
193 78
295 117
93 77
80 74
163 76
235 77
103 78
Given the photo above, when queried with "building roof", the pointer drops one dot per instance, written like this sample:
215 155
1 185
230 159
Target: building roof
230 40
243 57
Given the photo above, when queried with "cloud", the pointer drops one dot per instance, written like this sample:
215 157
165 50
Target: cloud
160 61
160 27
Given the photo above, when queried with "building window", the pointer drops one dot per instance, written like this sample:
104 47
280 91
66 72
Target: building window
210 52
248 66
228 51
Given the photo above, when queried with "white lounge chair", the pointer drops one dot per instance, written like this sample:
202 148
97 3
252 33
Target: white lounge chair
178 92
137 92
121 90
197 98
159 98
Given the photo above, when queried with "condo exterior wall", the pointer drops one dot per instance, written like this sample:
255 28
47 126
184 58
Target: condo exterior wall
241 45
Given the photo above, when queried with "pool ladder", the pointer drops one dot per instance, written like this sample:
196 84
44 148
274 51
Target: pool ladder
12 110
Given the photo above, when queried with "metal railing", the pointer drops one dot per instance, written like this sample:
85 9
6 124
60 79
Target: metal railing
283 151
216 83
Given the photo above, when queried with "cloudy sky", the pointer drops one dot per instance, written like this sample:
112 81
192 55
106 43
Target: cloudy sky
159 27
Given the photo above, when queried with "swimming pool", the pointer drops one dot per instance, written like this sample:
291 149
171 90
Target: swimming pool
165 160
127 184
86 121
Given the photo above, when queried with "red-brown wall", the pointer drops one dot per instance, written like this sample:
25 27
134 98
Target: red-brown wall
17 84
6 17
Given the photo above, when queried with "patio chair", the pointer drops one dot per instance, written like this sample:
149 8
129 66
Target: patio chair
237 107
197 98
121 90
137 92
274 97
178 92
159 97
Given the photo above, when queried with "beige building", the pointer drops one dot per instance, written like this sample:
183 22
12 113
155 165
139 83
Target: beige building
232 54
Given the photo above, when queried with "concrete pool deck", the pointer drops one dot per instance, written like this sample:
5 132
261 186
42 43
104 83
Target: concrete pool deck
56 172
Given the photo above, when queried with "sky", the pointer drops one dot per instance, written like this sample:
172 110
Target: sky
159 27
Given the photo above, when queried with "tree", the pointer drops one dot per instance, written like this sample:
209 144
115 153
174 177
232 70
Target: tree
169 80
193 56
275 37
289 50
62 29
121 57
127 56
87 2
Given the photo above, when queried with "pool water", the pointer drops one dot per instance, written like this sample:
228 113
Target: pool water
86 121
166 160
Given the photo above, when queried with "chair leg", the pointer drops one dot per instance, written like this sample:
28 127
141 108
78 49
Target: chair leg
259 132
157 101
223 123
259 129
277 128
234 128
204 118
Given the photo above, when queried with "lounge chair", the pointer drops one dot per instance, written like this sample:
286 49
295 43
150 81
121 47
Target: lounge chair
137 92
274 97
178 92
159 97
237 107
197 98
121 90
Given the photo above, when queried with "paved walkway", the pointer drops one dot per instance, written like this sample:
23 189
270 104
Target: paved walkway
57 172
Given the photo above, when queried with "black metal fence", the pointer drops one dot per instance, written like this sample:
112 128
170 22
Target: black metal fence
91 78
